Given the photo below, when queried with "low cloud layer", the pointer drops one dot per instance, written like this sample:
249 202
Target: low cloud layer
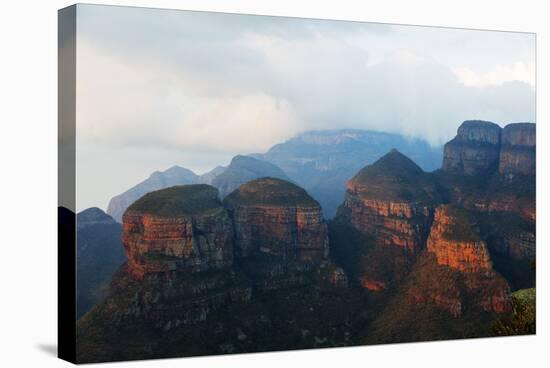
212 85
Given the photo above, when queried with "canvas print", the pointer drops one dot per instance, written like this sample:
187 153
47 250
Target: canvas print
239 183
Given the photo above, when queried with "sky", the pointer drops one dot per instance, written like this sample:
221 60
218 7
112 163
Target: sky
157 88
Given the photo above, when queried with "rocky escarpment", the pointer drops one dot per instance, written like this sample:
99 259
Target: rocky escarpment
279 231
179 244
474 150
456 245
393 200
482 147
186 290
503 196
182 228
451 290
517 154
391 203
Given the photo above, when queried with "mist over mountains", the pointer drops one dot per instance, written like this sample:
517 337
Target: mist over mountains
319 161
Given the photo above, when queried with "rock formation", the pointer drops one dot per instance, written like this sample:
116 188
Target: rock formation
517 154
278 225
455 244
392 200
482 147
391 203
181 228
474 150
179 243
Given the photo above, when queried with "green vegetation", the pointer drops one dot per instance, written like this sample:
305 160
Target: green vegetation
460 228
396 177
522 319
404 319
180 200
270 192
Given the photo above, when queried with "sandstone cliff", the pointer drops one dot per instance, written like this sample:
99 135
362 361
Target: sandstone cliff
455 244
391 199
182 228
474 150
280 228
517 154
179 244
390 203
482 147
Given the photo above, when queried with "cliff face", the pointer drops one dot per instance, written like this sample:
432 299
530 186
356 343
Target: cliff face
457 247
482 147
179 243
183 239
390 203
474 150
517 155
203 279
391 200
278 226
454 244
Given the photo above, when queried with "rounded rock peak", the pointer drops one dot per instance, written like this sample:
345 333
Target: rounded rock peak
179 200
519 134
269 191
394 177
392 164
479 131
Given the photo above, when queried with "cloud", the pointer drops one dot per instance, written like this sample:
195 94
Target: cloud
519 71
195 88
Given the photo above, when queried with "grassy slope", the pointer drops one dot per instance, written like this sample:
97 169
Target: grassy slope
270 192
180 200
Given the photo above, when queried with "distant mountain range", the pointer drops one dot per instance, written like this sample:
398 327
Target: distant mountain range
322 161
158 180
319 161
410 256
243 169
99 254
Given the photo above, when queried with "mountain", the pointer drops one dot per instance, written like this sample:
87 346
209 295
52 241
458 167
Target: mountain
159 179
411 255
243 169
203 277
481 146
99 255
452 290
502 194
390 203
278 226
209 176
322 161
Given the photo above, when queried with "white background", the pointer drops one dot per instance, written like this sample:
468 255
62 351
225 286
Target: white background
28 181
